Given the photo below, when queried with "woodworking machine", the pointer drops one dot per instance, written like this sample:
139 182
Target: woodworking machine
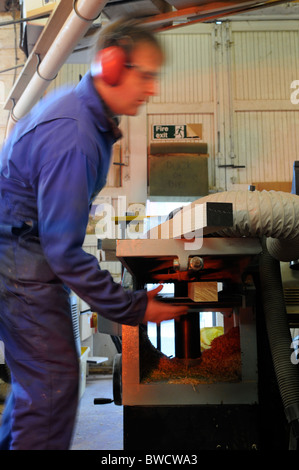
187 410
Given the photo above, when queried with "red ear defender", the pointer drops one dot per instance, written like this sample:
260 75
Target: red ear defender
109 64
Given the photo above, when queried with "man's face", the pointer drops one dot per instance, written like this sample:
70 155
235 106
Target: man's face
139 81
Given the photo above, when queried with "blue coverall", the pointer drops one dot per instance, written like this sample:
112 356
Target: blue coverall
51 168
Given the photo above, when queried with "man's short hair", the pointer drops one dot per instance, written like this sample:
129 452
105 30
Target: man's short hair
127 33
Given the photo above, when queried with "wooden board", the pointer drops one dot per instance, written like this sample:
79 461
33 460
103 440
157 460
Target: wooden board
203 291
284 186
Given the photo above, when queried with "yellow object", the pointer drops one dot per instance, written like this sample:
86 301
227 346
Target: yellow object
83 369
208 334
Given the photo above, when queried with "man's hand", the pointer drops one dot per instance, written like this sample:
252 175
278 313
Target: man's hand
157 312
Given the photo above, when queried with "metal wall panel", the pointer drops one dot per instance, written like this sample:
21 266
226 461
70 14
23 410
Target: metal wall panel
235 79
69 74
267 143
186 77
264 58
265 63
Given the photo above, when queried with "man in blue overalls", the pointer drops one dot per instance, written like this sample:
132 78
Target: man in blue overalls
51 168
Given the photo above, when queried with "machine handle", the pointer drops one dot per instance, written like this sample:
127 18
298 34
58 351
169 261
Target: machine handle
102 401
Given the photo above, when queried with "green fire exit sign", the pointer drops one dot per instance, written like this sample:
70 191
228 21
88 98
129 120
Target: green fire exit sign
170 132
177 131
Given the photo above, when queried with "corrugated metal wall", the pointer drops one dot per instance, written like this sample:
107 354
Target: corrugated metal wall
267 144
186 77
235 79
266 122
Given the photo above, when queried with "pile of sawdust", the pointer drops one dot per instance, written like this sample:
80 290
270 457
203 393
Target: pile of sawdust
220 363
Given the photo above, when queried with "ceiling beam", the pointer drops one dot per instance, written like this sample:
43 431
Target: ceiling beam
206 12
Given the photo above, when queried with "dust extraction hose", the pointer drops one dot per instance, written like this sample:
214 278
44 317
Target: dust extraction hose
272 214
280 340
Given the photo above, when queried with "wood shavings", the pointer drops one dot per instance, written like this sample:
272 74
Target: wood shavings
220 363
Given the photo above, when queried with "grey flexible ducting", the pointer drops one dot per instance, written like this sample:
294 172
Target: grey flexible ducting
272 214
279 336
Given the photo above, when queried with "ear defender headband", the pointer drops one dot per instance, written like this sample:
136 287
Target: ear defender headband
110 62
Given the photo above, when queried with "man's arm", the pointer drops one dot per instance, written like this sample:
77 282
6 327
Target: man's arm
64 189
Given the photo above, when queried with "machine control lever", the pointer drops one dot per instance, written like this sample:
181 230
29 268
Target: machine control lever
102 401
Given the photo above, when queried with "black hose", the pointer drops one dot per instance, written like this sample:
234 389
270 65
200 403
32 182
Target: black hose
278 330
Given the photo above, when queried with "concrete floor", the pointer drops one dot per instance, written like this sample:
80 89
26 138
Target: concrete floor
98 427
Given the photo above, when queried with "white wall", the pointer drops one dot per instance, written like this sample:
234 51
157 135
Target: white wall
264 58
234 78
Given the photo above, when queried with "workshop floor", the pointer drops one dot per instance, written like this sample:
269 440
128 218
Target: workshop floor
98 427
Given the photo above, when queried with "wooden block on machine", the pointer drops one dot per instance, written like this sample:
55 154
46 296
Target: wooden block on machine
284 186
203 291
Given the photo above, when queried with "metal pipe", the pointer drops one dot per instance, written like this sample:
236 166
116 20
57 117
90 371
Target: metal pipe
74 28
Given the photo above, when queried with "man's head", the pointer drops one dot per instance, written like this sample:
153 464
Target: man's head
126 64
